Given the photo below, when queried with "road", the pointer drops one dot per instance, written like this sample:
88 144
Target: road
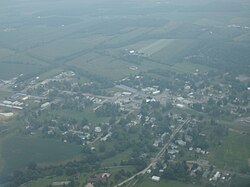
157 157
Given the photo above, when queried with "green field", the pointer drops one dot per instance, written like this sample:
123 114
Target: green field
93 38
189 67
164 183
102 66
20 63
18 151
45 181
50 73
10 70
4 94
5 52
78 115
177 49
62 49
117 158
234 152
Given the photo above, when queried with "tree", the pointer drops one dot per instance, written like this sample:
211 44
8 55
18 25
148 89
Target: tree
84 122
32 165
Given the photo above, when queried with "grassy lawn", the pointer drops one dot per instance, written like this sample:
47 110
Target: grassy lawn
78 115
4 94
117 158
164 183
46 181
234 152
50 73
17 151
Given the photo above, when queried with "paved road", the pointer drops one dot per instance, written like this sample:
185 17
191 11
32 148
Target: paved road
157 157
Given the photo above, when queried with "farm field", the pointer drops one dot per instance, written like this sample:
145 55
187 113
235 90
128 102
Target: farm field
59 50
10 70
101 65
34 149
172 52
5 52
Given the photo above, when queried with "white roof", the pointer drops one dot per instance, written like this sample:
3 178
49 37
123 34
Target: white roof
98 129
156 178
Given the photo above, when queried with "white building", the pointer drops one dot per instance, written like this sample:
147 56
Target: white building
45 105
156 178
98 129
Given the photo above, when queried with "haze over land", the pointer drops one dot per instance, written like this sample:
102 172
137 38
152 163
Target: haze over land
131 93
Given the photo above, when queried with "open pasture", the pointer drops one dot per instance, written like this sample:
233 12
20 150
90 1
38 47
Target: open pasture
176 50
17 151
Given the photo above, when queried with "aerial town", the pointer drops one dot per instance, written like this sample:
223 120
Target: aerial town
108 93
169 121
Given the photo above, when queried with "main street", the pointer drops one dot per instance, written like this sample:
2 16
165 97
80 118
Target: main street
158 156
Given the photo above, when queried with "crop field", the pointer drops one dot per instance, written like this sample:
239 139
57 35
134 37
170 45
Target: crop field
34 149
5 52
102 66
61 49
127 38
176 49
10 70
20 63
189 67
25 37
155 46
24 58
